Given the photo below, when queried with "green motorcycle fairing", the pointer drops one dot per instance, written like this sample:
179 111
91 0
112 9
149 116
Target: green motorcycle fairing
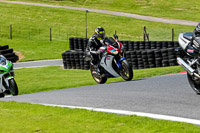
6 68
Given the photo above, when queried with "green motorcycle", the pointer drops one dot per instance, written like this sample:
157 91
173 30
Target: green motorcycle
7 82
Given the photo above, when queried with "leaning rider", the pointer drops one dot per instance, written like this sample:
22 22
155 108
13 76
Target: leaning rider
194 44
94 43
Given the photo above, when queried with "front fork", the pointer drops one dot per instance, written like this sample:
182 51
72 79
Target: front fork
6 78
194 63
118 62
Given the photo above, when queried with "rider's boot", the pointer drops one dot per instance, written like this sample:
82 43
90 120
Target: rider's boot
96 67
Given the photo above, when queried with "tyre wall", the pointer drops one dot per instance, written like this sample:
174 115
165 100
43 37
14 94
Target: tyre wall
8 53
140 54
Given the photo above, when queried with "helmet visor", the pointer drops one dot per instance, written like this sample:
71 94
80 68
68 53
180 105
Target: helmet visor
101 35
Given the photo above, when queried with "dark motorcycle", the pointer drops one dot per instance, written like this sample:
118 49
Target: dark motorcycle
190 59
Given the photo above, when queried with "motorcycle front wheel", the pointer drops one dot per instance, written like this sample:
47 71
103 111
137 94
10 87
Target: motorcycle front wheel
98 78
126 71
195 85
13 87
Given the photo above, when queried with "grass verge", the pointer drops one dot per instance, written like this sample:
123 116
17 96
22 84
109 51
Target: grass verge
31 29
31 80
179 9
27 118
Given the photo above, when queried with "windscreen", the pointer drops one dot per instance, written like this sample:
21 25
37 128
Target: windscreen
2 60
110 41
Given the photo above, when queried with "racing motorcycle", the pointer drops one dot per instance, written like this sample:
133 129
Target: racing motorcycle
190 58
7 82
113 63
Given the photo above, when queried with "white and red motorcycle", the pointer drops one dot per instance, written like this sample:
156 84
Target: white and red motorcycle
113 63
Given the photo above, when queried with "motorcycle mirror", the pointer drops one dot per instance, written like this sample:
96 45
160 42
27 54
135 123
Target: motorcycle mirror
115 36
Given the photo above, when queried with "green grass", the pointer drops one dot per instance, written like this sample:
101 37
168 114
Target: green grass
31 27
31 80
178 9
27 118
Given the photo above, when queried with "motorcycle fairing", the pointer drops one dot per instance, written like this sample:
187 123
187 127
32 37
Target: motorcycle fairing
6 74
184 39
119 64
2 88
106 63
188 35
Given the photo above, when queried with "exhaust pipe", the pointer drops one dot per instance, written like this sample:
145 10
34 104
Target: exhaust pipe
182 63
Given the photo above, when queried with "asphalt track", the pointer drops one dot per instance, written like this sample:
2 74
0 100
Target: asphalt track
39 63
168 95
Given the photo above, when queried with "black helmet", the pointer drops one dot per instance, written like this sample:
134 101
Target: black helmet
100 33
198 28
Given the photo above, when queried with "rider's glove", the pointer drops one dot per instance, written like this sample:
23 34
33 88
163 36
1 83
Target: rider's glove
94 52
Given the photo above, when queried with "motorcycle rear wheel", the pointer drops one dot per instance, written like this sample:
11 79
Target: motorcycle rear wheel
195 86
126 72
13 87
2 95
99 79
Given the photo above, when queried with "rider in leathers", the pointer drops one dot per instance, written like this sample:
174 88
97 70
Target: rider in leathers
94 43
194 45
196 31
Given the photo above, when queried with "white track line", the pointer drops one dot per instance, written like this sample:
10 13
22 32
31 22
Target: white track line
123 112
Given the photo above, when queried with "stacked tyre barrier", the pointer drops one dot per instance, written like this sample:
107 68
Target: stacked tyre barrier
151 54
152 58
78 43
8 53
75 59
140 54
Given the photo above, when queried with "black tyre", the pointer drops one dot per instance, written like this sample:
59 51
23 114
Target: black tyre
147 45
164 44
2 95
126 72
71 43
6 51
136 45
158 45
130 46
99 79
176 44
13 59
128 54
194 84
125 43
13 87
153 44
4 47
76 43
142 45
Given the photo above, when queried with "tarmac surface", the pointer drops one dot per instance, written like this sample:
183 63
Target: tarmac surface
165 95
